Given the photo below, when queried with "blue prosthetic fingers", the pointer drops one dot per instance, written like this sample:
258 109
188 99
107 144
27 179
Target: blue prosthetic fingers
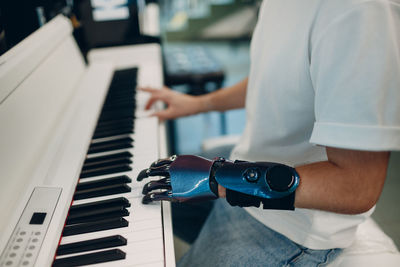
186 178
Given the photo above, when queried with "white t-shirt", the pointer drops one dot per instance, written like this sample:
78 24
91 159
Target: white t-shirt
323 73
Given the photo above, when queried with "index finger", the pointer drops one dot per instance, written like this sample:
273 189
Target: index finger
148 89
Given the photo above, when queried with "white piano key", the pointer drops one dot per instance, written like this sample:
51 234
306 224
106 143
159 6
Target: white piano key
137 252
145 230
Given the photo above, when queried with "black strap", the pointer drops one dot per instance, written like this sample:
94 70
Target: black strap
243 200
235 198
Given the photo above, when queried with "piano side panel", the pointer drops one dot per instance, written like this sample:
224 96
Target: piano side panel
19 62
28 118
73 140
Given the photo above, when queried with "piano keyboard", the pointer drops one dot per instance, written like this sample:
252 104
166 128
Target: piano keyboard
107 224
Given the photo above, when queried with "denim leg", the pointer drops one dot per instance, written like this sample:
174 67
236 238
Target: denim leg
231 237
189 218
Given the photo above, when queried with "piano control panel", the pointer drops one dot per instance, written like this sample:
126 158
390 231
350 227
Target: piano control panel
24 244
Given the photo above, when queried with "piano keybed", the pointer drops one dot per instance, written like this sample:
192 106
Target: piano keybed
107 224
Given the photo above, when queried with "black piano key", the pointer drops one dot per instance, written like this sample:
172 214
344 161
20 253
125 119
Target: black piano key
112 132
91 227
120 101
98 210
93 244
102 191
120 143
122 84
123 179
122 212
125 74
122 140
101 166
112 126
127 94
120 87
74 214
120 113
126 121
125 117
90 258
107 159
116 115
119 201
106 170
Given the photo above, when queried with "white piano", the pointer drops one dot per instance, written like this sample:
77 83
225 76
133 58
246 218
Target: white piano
68 189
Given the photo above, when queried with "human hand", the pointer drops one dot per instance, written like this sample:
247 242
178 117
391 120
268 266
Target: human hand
178 104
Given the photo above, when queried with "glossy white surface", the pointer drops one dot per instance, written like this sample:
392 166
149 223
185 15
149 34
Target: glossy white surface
47 121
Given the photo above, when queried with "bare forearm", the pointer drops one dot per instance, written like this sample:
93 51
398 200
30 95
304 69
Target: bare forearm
350 182
228 98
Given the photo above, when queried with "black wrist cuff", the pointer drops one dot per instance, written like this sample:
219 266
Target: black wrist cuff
243 200
235 198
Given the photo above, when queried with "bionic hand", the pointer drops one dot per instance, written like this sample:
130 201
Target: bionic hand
193 178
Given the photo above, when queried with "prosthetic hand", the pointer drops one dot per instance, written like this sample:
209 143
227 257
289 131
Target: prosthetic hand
192 178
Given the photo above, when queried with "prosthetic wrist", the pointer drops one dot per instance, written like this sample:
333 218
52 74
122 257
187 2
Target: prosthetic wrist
193 178
252 183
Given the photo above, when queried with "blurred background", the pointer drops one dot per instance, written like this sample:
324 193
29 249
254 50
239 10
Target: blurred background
212 37
205 47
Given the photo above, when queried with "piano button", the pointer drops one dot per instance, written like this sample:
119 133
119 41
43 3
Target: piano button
91 258
90 227
110 145
106 170
93 244
122 212
102 191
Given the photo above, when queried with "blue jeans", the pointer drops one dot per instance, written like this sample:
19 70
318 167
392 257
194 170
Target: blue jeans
232 237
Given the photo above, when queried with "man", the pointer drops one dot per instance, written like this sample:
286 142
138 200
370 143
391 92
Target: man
323 95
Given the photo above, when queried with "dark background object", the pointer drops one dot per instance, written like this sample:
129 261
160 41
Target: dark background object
19 18
98 32
107 32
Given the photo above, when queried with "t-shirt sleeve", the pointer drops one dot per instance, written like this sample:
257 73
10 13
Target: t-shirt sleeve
355 70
